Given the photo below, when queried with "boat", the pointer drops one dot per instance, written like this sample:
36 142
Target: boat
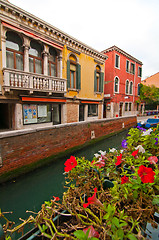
150 122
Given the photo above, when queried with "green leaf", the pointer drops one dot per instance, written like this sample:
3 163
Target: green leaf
120 234
131 237
115 221
80 235
135 194
155 200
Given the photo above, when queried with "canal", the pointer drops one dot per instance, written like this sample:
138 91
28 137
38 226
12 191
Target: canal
29 191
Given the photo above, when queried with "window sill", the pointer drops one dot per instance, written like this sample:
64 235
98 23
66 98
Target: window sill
73 90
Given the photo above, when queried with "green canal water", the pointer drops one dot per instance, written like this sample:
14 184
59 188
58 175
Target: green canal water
29 191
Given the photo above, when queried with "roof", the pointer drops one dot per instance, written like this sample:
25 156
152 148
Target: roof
152 80
115 48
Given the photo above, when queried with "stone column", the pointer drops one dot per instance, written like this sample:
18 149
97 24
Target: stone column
26 46
59 67
45 54
18 116
3 36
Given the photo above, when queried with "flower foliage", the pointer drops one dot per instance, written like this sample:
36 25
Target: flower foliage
109 197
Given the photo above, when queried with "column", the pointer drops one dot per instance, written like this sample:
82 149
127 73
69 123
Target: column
60 65
18 116
45 54
3 36
26 46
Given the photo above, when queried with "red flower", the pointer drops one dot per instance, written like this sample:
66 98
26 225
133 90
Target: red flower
135 153
153 159
119 160
92 232
93 200
146 174
70 163
56 198
124 179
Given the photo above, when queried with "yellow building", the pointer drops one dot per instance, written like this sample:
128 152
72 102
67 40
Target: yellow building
46 76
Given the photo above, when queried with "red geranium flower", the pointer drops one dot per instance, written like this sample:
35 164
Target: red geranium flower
92 232
93 200
70 163
153 159
119 160
56 198
124 179
135 153
146 174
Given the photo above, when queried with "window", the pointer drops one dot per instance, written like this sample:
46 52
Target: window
131 88
132 68
127 65
126 106
92 110
52 62
41 113
127 87
130 106
117 59
98 79
73 73
33 113
139 71
14 51
138 89
116 85
35 57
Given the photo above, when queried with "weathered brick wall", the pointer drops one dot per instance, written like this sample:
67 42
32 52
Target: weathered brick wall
22 147
72 111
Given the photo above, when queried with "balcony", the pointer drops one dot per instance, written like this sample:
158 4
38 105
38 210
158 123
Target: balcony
19 80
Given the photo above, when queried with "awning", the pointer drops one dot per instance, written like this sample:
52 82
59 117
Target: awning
46 100
89 102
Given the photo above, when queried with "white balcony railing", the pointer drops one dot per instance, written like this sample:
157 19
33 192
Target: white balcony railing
19 80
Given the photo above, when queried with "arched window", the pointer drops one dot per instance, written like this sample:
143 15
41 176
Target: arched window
98 79
14 51
52 62
73 73
131 88
127 87
35 57
116 85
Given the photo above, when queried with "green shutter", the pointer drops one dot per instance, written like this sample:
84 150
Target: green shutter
68 73
78 76
95 81
101 82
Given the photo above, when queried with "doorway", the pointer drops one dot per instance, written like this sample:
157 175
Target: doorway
5 116
81 112
120 109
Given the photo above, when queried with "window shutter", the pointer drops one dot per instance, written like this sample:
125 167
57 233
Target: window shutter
95 81
68 73
78 76
101 82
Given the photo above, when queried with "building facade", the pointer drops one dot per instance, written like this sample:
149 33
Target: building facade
46 76
152 80
121 85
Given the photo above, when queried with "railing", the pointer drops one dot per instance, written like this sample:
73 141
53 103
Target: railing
19 80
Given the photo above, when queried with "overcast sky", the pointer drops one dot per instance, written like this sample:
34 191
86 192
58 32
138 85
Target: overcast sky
132 25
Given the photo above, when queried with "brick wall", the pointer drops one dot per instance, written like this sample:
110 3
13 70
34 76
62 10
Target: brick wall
22 147
72 111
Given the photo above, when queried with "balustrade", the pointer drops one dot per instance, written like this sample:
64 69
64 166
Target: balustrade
15 79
